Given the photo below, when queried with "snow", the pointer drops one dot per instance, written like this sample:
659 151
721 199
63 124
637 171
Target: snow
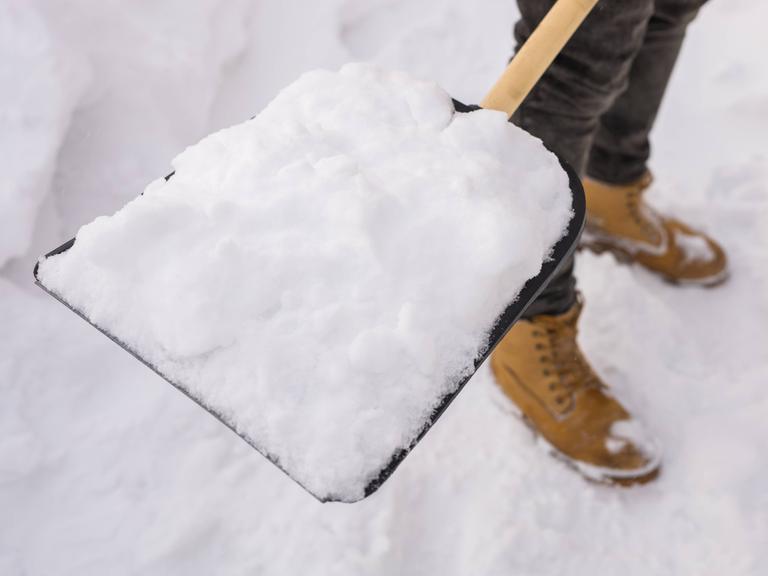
105 470
41 83
323 274
631 430
694 248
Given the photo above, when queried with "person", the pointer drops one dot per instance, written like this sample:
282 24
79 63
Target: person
595 107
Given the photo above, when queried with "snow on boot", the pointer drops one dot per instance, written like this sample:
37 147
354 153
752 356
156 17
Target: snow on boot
620 221
540 368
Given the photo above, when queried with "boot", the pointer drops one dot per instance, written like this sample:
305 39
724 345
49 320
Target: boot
539 367
620 221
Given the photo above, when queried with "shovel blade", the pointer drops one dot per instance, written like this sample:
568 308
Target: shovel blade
562 251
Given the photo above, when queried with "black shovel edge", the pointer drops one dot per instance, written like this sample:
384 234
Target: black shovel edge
560 254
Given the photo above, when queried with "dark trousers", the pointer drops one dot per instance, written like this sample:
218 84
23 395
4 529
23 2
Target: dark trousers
597 103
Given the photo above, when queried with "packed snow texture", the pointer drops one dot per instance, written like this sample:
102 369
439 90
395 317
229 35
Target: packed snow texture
324 273
104 469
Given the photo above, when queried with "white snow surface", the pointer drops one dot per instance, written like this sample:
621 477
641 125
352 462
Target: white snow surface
104 469
323 274
41 83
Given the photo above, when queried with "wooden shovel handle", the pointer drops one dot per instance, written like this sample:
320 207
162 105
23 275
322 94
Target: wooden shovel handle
535 56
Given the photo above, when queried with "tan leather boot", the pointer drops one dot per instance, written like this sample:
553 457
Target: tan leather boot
539 367
620 221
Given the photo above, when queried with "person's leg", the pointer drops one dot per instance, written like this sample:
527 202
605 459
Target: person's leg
619 219
538 364
565 106
621 148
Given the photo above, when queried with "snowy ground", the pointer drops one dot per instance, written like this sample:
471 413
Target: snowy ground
105 469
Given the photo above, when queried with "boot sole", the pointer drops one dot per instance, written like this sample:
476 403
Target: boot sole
590 472
624 257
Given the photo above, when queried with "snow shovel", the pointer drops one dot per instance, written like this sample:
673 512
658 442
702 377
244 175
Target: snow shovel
520 76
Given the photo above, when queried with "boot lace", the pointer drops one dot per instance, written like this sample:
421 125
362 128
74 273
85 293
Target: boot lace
563 364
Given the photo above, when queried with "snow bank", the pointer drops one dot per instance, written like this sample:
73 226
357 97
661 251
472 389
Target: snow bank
154 72
41 83
286 275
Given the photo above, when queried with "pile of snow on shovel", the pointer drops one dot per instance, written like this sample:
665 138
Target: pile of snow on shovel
322 274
